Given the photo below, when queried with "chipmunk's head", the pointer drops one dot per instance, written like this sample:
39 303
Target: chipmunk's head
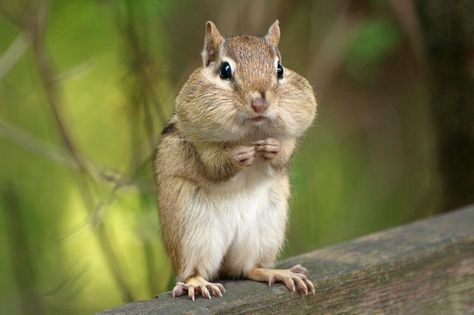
244 90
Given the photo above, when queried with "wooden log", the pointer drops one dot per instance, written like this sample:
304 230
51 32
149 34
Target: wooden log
426 267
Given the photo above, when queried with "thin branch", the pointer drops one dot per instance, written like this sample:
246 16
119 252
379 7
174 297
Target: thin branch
35 26
69 283
21 259
76 71
95 217
142 97
34 145
56 154
13 53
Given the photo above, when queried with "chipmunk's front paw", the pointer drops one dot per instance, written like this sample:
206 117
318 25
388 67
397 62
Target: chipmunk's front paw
244 155
198 285
268 148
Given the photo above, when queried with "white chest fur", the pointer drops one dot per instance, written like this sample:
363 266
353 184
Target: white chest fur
237 225
242 221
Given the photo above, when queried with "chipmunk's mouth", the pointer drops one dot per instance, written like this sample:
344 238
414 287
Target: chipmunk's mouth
258 118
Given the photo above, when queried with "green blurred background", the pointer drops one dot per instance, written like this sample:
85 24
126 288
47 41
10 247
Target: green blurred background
86 86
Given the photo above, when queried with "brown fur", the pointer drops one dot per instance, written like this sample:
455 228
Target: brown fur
213 127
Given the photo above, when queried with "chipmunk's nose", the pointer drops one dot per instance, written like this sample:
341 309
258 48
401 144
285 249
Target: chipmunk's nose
259 105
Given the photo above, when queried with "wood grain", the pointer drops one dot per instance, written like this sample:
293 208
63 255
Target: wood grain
426 267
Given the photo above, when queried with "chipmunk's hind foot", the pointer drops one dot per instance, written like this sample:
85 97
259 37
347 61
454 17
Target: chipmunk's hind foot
194 286
293 278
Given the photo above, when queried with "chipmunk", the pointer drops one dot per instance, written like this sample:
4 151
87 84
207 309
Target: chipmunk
222 165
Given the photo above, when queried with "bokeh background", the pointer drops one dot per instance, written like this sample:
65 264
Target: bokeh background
86 86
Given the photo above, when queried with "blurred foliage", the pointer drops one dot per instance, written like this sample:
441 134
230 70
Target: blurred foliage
372 44
78 220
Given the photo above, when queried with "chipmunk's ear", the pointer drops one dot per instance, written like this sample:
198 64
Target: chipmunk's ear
273 35
212 42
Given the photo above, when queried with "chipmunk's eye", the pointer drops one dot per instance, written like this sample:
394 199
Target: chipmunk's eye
279 71
225 71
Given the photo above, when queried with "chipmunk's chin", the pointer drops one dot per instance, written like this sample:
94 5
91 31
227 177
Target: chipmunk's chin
259 126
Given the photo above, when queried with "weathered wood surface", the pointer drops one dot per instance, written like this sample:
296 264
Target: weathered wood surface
426 267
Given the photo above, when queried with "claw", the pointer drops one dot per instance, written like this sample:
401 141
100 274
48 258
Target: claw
299 269
311 286
191 292
221 287
290 284
271 280
301 285
178 289
214 290
205 292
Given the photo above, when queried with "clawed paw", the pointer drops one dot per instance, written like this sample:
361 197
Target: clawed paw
244 155
197 285
268 148
293 278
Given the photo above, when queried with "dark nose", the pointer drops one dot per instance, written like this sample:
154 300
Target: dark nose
259 105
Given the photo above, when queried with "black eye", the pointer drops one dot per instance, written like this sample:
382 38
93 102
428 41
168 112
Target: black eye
279 71
225 71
